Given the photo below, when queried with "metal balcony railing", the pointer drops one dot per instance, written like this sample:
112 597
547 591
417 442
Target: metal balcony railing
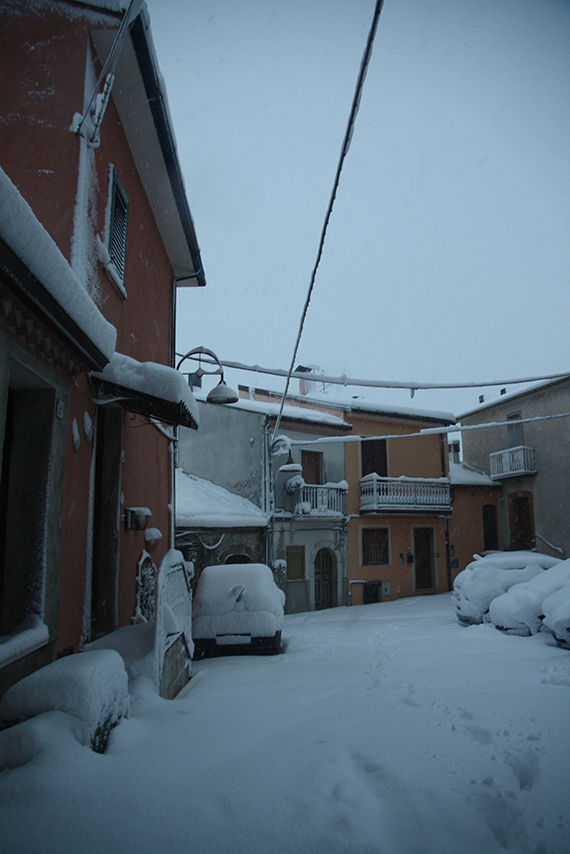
512 462
404 495
323 500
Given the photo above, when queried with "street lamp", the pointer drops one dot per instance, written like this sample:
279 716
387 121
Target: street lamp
221 393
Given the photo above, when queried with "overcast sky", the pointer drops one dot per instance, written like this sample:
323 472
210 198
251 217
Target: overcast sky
448 251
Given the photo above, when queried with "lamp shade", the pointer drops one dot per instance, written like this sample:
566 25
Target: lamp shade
222 394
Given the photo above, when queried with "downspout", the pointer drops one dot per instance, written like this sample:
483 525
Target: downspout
446 520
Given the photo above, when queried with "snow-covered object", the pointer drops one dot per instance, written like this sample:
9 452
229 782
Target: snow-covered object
490 576
556 609
30 635
520 610
150 378
201 503
91 686
294 483
152 535
136 646
237 601
29 240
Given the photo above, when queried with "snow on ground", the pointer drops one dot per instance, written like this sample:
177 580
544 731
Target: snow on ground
383 729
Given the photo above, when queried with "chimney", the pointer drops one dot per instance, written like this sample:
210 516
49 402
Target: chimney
454 451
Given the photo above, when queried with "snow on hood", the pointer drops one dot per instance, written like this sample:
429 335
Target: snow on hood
150 378
201 503
29 240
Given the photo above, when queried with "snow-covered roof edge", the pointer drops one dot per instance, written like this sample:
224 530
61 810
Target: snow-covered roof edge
297 401
201 503
504 398
461 476
31 243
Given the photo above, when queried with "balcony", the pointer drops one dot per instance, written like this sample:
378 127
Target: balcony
514 462
326 500
404 495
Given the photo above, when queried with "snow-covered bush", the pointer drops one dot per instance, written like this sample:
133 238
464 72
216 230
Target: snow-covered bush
556 609
488 577
520 611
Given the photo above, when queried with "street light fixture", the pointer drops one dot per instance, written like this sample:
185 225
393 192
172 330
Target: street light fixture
221 393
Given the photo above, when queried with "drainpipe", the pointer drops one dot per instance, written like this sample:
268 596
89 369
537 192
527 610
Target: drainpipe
446 520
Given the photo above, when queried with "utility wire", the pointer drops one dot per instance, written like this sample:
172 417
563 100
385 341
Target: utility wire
411 385
426 431
344 151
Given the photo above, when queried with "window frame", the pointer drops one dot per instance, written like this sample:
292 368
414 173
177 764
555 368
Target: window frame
115 254
384 550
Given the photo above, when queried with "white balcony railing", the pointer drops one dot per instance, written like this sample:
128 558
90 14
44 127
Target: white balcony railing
512 462
404 495
326 500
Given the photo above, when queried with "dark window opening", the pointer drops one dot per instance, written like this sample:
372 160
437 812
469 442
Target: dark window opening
374 457
372 592
490 529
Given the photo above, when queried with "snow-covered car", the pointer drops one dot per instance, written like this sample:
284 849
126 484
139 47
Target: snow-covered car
489 576
238 608
556 608
520 611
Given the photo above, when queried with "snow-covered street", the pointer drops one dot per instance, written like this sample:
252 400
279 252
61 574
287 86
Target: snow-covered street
383 728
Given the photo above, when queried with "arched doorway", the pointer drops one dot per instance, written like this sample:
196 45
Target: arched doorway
325 572
241 558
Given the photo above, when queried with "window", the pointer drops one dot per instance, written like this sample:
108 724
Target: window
375 546
116 265
295 563
312 466
374 457
515 430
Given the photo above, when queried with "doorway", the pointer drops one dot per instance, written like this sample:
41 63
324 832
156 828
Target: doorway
521 521
424 558
325 565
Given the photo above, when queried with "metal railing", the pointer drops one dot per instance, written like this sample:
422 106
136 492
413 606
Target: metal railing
321 500
398 494
512 462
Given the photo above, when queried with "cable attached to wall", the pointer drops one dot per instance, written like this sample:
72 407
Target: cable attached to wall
344 151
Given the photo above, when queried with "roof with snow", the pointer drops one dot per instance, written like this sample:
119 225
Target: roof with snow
203 504
140 96
290 413
302 402
461 476
515 395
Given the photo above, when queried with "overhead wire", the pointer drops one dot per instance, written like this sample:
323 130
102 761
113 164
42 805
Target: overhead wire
344 151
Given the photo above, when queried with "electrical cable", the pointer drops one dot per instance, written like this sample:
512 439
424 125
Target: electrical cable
344 151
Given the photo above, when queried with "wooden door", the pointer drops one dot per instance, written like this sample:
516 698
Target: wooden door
324 579
423 558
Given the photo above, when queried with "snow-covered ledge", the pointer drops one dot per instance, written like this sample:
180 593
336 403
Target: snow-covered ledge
23 641
30 241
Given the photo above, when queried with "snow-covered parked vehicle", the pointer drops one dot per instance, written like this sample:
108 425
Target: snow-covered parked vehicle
556 608
237 608
489 576
520 611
